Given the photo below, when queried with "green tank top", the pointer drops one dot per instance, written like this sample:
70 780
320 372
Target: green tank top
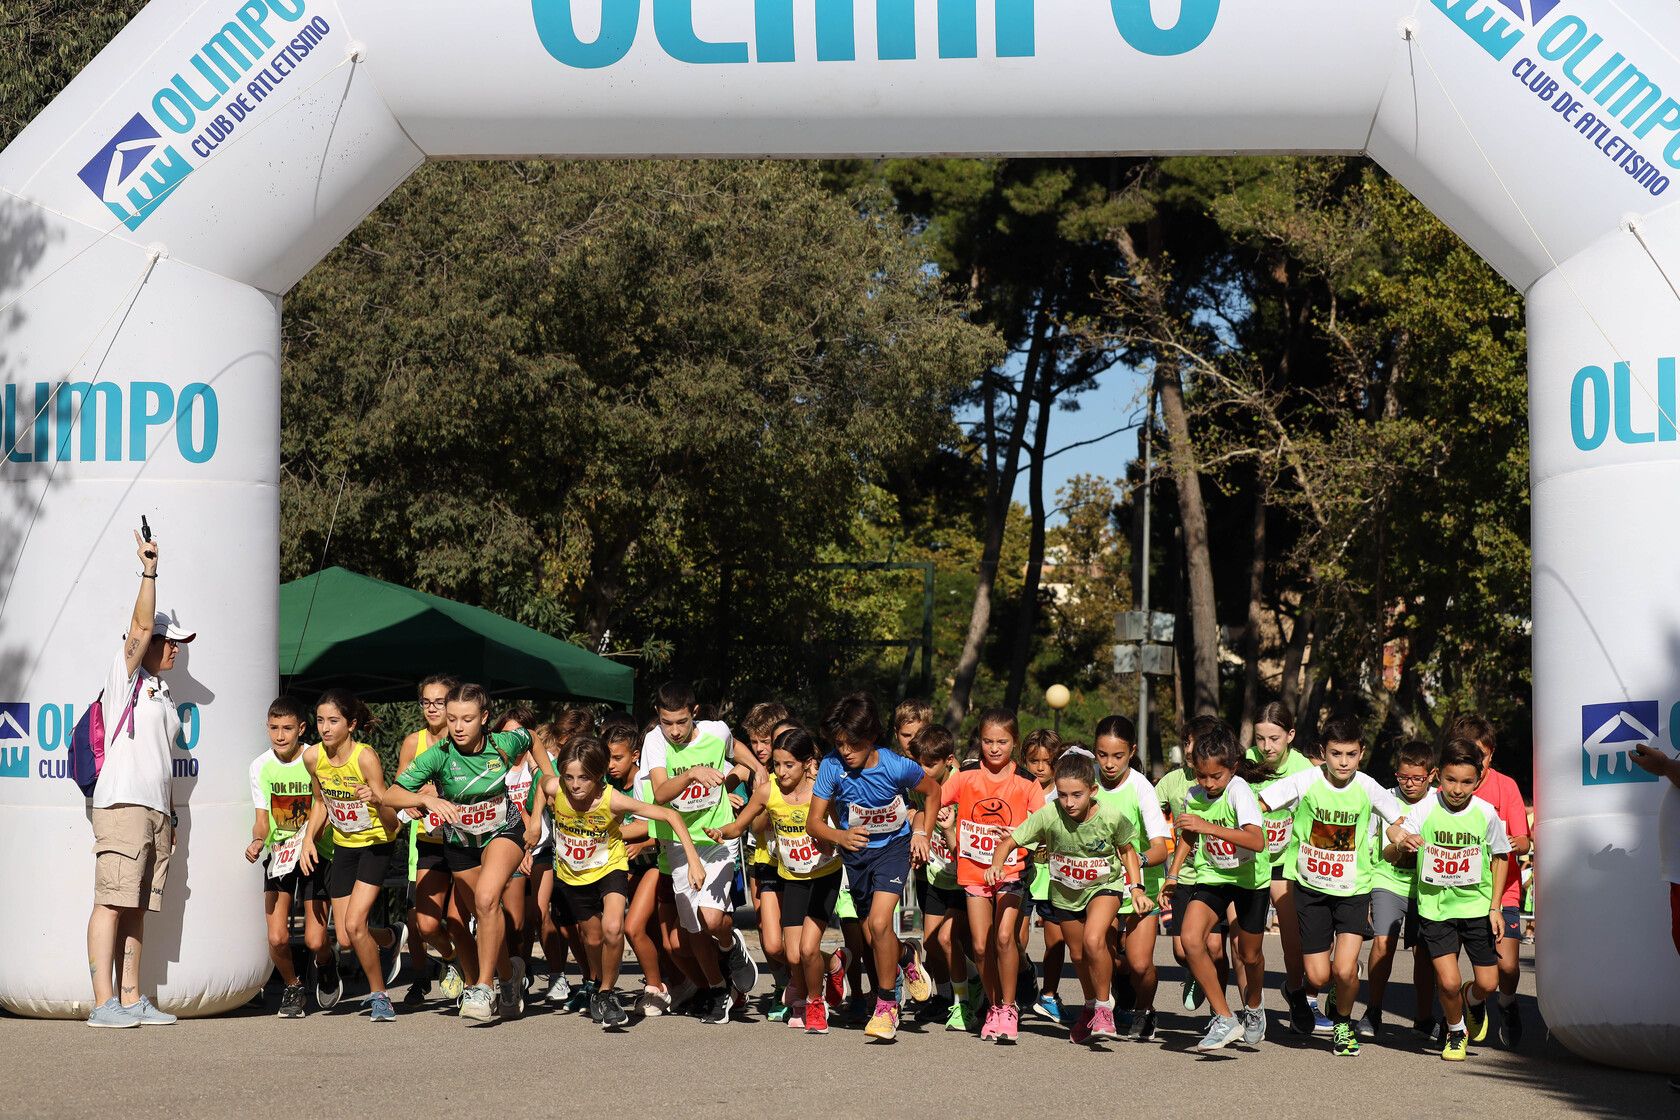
700 808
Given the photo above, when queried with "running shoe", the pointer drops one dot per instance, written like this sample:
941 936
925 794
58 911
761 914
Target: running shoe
1455 1048
612 1013
796 1014
779 1012
1191 993
1101 1025
681 996
1475 1015
913 976
859 1008
1047 1006
394 955
1510 1026
989 1029
1346 1039
1368 1027
579 999
477 1005
884 1023
1427 1028
111 1013
653 1002
513 992
934 1010
1079 1032
1254 1025
1144 1030
958 1019
743 973
1009 1024
452 984
417 995
380 1009
559 989
719 1005
329 985
1300 1011
816 1017
1221 1033
834 984
1322 1023
291 1001
150 1016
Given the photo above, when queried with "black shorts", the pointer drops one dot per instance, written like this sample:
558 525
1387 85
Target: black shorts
461 858
588 901
809 898
300 886
1325 917
766 876
359 865
1443 939
1059 916
1253 906
1277 873
429 857
1041 907
940 901
873 871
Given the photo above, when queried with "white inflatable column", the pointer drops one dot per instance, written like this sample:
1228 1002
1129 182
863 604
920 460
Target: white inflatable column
1606 477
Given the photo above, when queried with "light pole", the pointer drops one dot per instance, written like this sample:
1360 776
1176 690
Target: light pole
1143 605
1058 697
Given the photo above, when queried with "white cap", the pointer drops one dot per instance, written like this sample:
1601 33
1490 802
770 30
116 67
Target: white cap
167 626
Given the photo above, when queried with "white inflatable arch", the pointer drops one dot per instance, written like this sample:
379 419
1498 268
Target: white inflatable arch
152 217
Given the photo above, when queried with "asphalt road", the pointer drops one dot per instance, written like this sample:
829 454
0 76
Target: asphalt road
431 1065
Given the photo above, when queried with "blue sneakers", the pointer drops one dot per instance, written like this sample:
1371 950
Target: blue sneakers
380 1009
1222 1031
113 1014
150 1016
1048 1007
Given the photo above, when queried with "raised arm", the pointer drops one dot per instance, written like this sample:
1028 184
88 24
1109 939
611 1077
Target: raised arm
145 605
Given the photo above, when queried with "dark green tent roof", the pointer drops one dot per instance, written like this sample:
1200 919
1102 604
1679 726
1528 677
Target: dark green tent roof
340 629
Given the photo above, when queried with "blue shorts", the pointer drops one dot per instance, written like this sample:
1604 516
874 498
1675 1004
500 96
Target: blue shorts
1513 921
873 871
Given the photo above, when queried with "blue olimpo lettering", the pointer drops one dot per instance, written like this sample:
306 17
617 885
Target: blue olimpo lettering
1136 21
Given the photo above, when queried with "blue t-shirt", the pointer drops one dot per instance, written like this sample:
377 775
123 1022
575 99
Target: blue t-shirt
881 786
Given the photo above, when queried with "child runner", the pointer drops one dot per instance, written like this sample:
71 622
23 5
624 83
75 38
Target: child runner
764 884
688 763
517 906
1462 853
433 917
991 801
1174 794
810 873
485 838
944 905
908 719
1225 842
1274 749
1394 902
867 787
590 862
1093 861
281 795
347 782
1335 807
559 933
1124 785
1039 752
624 752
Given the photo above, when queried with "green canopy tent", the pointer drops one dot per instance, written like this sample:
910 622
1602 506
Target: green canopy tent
343 630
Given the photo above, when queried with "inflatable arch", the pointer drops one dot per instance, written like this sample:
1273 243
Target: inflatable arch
154 214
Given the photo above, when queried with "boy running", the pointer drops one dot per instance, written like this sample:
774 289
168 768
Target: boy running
1394 913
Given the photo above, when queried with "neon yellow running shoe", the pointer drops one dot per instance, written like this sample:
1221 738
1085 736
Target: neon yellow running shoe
1455 1048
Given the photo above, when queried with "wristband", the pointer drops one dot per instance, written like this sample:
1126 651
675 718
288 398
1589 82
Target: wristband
143 575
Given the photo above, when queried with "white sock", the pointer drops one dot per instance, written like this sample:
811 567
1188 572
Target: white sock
1458 1026
1107 1004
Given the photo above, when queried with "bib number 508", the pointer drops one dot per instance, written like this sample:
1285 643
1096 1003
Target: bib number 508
1327 868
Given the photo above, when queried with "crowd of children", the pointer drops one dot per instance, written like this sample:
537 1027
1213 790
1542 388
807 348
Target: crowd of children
581 837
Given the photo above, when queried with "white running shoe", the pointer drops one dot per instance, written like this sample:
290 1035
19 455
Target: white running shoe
559 989
654 1002
478 1004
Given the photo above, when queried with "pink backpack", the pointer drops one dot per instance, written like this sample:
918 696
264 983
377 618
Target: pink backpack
87 742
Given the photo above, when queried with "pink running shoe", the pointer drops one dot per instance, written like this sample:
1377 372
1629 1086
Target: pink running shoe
1102 1025
1009 1024
989 1030
1080 1032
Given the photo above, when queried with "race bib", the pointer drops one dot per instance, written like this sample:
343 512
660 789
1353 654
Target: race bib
1325 870
580 853
697 797
1221 853
349 817
519 789
800 854
1077 873
877 820
483 817
939 854
283 858
977 842
1278 833
1450 867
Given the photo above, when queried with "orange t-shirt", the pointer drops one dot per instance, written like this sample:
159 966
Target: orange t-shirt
989 807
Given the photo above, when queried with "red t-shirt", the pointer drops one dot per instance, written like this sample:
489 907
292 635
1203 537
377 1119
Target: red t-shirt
989 807
1500 791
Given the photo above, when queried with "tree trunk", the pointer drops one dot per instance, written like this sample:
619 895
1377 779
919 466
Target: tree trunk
1251 635
997 515
1026 614
1198 558
1289 694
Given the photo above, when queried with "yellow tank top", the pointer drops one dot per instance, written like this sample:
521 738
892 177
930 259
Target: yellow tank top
587 845
797 855
420 833
355 823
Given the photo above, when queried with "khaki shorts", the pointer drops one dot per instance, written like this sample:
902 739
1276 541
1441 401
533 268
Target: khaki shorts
131 846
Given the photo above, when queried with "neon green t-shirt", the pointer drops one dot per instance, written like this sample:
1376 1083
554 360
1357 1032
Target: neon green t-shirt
1132 797
1280 823
712 744
1329 842
1082 858
1401 878
1455 864
1220 862
1173 791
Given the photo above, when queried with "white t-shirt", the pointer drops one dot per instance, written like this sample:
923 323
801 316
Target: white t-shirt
654 747
137 766
1668 833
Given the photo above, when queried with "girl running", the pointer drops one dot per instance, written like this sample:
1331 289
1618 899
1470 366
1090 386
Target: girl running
991 800
1092 862
764 883
591 865
559 933
1274 750
485 838
623 742
347 782
434 917
1225 842
1039 751
944 905
1126 787
810 874
517 906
